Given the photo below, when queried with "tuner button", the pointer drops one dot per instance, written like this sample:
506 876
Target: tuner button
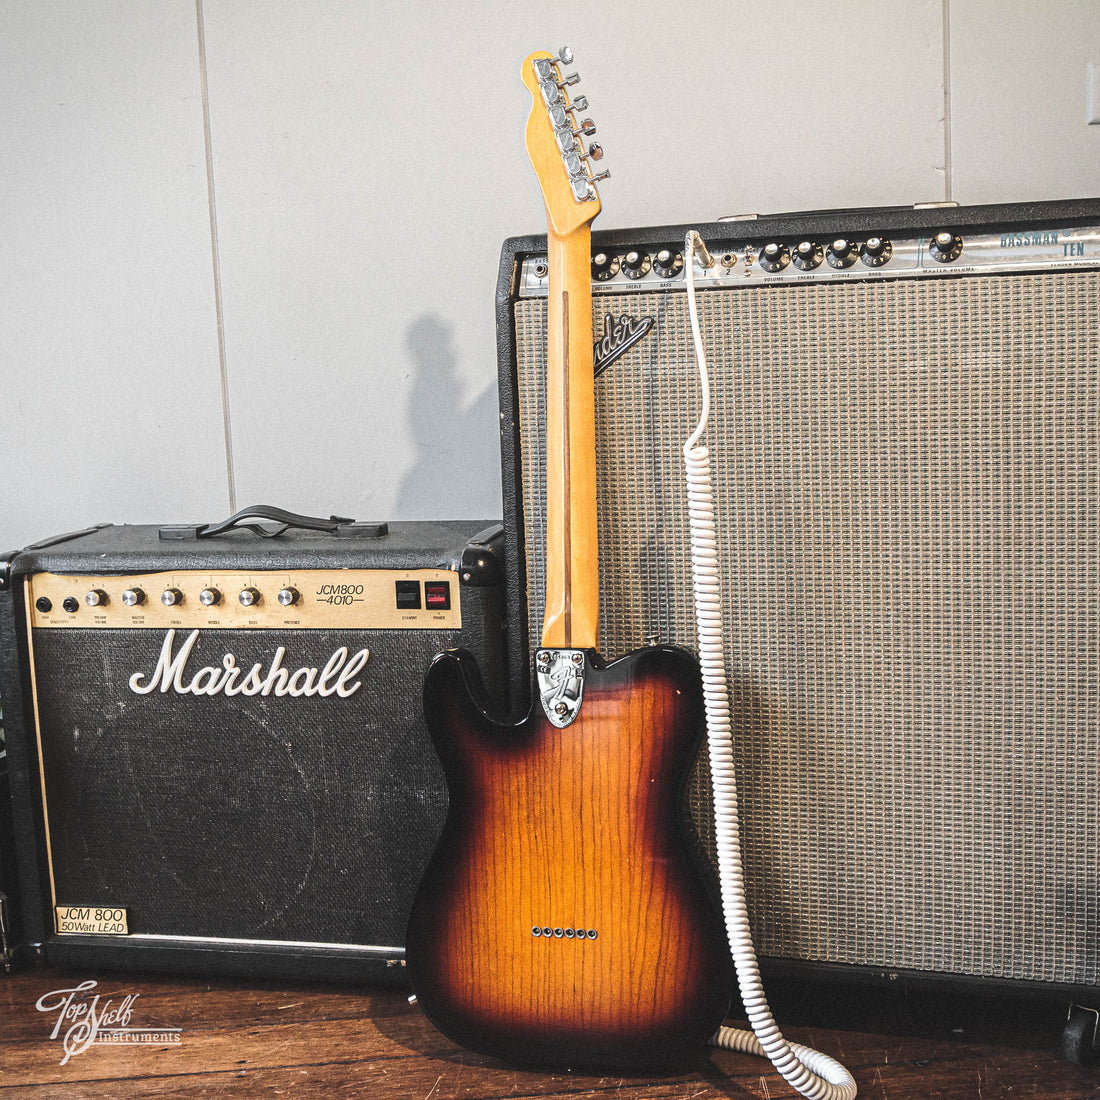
595 151
171 597
288 596
208 597
133 597
604 266
876 251
808 255
946 247
774 257
96 598
249 597
667 263
841 253
636 264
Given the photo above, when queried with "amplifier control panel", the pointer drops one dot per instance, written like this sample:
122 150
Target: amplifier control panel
360 599
831 258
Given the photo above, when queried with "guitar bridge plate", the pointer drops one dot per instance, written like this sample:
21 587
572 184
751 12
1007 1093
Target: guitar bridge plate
560 674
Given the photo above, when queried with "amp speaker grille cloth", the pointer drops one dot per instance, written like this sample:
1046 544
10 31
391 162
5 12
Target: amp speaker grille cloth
906 477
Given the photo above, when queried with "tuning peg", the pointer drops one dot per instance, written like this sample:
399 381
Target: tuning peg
595 151
567 142
579 104
565 55
568 81
583 191
560 119
552 95
604 175
574 164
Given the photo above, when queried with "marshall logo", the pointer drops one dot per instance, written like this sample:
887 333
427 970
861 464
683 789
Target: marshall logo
618 336
336 678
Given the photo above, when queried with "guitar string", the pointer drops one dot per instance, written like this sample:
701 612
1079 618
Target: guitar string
815 1075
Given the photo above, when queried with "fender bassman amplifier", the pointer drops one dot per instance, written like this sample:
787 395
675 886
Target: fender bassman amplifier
905 431
219 762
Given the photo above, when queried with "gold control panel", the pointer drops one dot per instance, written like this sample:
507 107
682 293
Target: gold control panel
373 599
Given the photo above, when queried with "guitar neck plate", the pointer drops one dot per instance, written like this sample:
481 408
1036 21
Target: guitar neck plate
560 674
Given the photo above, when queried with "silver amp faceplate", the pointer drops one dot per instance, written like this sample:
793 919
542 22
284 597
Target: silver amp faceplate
631 269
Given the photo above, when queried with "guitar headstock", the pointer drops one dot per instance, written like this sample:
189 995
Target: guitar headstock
555 133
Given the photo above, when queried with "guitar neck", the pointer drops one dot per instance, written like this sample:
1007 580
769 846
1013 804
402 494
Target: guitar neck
572 579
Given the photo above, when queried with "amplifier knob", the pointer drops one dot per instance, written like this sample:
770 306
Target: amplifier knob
636 264
288 597
841 253
876 251
208 597
249 597
946 247
96 598
808 255
667 264
774 257
171 597
133 597
604 267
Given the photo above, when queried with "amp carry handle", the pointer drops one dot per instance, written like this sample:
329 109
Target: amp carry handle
269 522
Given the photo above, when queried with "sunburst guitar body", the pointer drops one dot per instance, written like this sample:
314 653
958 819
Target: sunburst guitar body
564 918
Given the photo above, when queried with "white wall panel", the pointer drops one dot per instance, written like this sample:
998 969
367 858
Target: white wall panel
111 405
368 164
1018 100
369 161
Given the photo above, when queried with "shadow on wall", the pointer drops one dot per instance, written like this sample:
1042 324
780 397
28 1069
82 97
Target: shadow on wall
455 471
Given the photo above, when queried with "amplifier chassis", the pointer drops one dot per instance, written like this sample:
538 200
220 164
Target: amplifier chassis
906 471
219 762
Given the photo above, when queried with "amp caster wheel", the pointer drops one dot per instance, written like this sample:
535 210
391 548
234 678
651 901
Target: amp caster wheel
1079 1035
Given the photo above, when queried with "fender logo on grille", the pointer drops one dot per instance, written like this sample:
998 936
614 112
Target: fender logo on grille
618 336
336 678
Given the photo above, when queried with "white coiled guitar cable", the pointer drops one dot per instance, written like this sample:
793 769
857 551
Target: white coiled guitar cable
815 1075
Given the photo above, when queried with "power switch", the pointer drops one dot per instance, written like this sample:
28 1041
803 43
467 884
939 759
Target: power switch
437 595
408 595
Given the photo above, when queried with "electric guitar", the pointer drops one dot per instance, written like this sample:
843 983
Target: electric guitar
563 918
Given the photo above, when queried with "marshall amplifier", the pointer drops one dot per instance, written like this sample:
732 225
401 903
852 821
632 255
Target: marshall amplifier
219 762
905 427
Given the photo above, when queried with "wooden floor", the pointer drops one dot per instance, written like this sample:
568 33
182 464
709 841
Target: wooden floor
221 1037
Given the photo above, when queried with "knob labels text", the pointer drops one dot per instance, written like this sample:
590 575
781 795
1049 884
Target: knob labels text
336 678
